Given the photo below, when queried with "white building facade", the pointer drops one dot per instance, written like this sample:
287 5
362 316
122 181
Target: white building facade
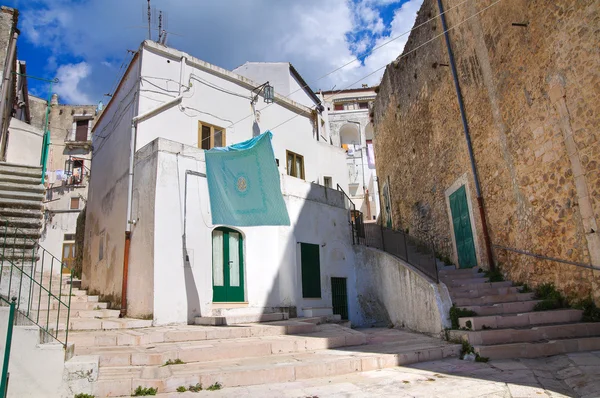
348 114
149 198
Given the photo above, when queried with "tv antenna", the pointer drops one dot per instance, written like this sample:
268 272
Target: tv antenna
156 20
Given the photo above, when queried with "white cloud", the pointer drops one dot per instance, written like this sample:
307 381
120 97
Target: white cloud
70 77
311 34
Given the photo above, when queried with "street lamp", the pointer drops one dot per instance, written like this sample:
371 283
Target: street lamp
267 90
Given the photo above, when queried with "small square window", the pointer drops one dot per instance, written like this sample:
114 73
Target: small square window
327 182
338 107
74 203
295 165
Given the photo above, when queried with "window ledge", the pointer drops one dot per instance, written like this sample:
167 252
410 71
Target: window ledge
78 144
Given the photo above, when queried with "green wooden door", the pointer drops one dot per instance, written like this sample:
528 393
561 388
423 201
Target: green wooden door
463 234
311 270
228 266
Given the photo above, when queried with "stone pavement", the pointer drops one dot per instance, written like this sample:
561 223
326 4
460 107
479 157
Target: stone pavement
570 375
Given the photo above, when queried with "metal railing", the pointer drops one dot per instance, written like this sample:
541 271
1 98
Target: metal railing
353 214
417 252
7 344
23 264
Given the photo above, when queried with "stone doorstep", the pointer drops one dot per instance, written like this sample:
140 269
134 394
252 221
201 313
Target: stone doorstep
536 350
503 308
217 350
178 334
239 319
522 319
266 370
538 333
502 298
490 291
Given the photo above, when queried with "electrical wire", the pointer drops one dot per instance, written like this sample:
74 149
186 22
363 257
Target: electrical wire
400 57
364 55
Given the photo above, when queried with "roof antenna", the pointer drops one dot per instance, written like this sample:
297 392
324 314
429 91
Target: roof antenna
149 21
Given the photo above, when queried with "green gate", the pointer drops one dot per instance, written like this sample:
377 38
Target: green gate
339 297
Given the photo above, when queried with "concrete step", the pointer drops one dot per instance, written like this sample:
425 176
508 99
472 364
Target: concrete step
456 275
21 222
458 271
180 333
25 214
25 195
489 291
20 185
19 255
104 324
327 337
238 319
521 320
503 308
20 203
539 349
81 306
122 380
455 282
20 170
21 180
15 242
478 286
493 299
79 313
74 299
8 233
534 334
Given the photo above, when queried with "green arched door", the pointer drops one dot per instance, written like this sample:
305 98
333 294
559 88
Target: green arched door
463 233
228 265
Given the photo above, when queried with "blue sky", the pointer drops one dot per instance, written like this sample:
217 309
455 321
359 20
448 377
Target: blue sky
84 42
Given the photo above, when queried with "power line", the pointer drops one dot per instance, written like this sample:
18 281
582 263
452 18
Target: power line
364 55
400 57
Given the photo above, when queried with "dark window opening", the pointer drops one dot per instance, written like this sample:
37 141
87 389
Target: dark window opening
338 107
363 105
81 131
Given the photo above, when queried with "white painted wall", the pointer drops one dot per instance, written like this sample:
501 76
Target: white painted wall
271 254
24 143
393 291
106 212
36 370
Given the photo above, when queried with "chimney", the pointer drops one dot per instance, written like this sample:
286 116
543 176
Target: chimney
54 100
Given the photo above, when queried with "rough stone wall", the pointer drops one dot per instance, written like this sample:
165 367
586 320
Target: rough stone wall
531 96
37 111
8 20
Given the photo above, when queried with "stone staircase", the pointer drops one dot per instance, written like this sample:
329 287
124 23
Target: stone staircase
21 210
506 325
113 356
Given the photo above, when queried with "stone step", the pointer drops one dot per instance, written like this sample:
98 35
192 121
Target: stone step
458 271
488 291
80 306
116 381
9 233
503 308
327 337
20 170
173 334
477 286
77 299
79 313
25 214
21 195
456 282
19 255
104 324
20 203
17 243
456 275
521 320
21 222
538 349
502 298
238 319
534 334
22 186
21 180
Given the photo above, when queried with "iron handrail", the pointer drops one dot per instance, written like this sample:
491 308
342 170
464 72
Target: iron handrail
558 260
7 345
36 247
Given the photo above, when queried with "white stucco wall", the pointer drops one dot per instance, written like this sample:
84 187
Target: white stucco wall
24 143
36 370
271 254
393 291
107 204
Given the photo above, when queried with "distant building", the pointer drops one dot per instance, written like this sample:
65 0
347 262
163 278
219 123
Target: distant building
351 128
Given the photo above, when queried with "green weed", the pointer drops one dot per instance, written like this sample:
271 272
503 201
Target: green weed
196 388
215 387
143 391
456 313
551 298
174 362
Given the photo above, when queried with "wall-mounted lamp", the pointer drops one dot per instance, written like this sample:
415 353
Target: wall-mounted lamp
267 90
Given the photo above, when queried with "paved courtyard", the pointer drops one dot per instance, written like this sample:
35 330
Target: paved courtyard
571 375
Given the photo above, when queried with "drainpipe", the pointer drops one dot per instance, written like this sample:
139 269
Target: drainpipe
6 78
463 116
130 221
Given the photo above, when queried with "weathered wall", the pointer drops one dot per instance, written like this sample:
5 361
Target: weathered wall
394 292
531 97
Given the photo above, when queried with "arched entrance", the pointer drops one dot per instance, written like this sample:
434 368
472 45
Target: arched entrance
228 265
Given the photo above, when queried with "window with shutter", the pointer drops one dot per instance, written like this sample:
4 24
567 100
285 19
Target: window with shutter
81 131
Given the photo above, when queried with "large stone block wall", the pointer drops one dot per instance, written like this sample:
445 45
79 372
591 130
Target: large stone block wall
531 96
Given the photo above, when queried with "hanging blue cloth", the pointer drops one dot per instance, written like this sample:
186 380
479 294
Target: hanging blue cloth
243 184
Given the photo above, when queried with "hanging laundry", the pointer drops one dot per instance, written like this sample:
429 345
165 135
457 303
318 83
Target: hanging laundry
243 184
